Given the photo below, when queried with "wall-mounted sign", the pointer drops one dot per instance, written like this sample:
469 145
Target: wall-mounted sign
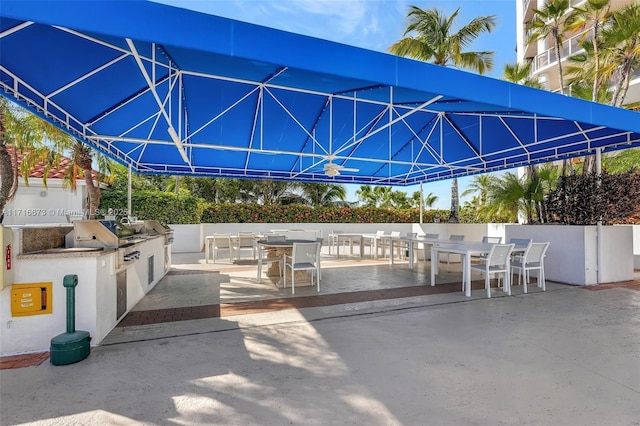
6 242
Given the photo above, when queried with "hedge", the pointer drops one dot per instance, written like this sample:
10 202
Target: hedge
257 213
173 208
166 207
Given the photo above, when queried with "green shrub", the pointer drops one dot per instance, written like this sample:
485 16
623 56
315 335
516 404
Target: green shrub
296 213
166 207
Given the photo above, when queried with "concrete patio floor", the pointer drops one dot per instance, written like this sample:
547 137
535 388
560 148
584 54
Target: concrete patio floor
567 356
194 289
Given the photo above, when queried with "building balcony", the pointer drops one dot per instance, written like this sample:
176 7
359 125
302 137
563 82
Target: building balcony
548 58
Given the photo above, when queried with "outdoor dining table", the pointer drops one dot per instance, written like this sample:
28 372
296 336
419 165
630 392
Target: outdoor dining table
351 237
208 243
421 240
466 249
278 248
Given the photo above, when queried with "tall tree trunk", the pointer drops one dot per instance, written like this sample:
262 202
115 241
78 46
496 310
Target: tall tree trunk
455 202
622 77
93 194
587 164
556 38
596 76
622 94
544 214
8 174
84 159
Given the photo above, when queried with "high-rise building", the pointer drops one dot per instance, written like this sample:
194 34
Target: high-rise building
541 54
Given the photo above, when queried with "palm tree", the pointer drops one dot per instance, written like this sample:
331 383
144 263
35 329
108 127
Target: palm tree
521 74
428 202
367 196
323 194
481 185
435 42
274 192
549 22
506 198
430 199
82 159
592 16
41 141
623 35
384 196
8 177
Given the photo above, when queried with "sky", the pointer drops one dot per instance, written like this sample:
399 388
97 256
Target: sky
373 25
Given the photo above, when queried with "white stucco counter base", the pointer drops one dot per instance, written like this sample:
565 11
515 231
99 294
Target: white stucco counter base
106 291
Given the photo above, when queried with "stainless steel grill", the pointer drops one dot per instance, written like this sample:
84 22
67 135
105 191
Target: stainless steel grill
102 234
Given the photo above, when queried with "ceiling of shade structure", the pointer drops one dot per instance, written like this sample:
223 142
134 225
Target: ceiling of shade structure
171 91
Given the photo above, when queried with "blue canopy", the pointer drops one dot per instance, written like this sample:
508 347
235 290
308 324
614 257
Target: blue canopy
167 90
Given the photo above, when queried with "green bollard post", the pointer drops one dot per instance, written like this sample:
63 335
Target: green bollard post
72 346
70 282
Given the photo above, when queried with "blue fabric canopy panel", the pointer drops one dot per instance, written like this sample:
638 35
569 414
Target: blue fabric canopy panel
171 91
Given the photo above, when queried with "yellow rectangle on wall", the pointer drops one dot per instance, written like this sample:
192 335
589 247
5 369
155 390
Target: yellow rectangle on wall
31 299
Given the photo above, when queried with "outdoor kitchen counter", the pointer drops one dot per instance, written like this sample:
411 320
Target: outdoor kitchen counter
62 253
108 287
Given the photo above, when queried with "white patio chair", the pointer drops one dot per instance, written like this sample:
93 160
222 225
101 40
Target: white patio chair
320 241
522 244
405 245
426 252
304 257
334 239
378 243
453 237
221 242
496 262
397 245
487 240
245 241
268 257
532 260
492 240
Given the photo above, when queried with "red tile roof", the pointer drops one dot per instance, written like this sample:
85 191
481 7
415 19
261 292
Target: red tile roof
54 172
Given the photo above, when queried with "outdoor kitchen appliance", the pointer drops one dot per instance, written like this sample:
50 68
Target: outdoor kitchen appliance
103 234
154 227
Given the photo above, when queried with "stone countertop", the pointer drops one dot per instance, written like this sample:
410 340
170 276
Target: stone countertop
65 253
76 252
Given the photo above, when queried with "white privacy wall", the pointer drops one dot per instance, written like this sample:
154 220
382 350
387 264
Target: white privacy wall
572 255
190 238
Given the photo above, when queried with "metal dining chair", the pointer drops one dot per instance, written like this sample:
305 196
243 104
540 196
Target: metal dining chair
405 245
496 262
245 241
531 260
454 237
221 242
492 240
424 246
268 257
487 240
521 245
304 257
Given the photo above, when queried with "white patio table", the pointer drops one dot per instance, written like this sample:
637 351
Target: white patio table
343 236
375 240
466 249
421 240
208 243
